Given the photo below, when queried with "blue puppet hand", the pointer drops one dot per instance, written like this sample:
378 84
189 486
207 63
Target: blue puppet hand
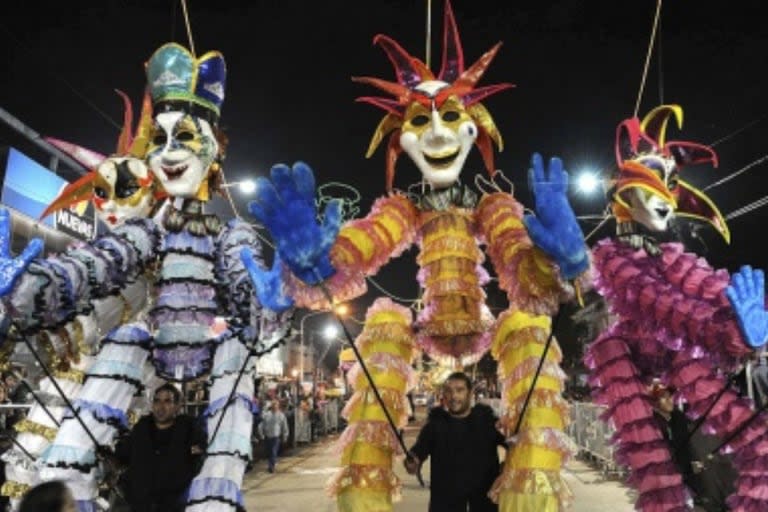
12 268
268 284
747 295
554 228
286 206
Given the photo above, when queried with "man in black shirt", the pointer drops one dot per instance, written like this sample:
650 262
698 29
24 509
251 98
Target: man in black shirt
162 453
463 442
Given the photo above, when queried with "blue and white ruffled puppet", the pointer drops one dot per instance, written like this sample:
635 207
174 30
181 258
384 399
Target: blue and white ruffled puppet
212 307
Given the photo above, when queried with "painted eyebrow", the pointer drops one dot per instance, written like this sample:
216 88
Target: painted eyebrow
186 118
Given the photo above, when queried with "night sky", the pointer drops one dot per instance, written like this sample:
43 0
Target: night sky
577 67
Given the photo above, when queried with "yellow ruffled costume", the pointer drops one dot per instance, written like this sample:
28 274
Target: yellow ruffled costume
531 477
368 444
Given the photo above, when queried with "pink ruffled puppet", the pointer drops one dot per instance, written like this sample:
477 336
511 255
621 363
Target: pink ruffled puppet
676 318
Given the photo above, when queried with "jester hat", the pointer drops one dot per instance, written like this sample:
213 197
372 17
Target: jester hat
636 139
459 81
128 144
177 80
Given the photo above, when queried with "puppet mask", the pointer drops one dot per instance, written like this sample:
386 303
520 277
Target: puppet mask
647 188
654 206
187 95
181 151
121 191
120 186
435 119
438 140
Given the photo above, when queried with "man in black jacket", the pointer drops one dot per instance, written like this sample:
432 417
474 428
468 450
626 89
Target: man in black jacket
463 442
162 453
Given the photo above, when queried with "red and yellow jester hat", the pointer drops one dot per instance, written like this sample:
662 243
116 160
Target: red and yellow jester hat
460 82
637 140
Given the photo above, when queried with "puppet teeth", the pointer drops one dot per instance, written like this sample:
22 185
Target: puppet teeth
174 173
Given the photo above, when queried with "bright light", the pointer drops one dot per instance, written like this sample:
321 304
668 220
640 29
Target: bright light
341 309
587 182
330 332
247 186
294 373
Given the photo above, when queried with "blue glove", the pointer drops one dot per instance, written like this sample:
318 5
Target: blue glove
554 228
12 268
267 283
747 295
286 207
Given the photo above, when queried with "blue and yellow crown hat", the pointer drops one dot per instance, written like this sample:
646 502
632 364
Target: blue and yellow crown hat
179 81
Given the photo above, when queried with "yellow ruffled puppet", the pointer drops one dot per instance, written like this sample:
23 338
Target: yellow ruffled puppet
436 120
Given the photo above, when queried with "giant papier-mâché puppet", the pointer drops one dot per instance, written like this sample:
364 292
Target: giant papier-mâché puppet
120 187
677 319
207 314
436 120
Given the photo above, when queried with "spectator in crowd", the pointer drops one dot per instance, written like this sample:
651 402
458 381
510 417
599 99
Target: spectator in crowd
760 378
162 452
4 413
19 390
412 415
14 394
10 380
710 477
431 401
463 442
6 433
273 429
51 496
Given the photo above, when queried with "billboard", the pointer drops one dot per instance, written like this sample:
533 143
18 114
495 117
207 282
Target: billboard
29 187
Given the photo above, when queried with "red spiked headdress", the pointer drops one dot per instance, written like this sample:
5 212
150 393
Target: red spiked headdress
460 82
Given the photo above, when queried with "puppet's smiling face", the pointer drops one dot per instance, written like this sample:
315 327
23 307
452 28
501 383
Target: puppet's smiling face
438 139
181 152
122 190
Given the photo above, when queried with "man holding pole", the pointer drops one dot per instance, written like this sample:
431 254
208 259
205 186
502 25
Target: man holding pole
463 442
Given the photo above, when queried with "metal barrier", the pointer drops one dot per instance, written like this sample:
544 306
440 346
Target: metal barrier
303 427
331 416
593 435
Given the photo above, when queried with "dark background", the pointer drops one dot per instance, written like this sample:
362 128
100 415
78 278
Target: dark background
577 66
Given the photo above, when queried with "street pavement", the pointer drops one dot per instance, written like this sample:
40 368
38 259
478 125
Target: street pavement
299 483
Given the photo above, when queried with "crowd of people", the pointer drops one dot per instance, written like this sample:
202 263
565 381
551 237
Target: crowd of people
154 463
14 399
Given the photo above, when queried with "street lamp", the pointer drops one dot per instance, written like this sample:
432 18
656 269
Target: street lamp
339 309
330 331
587 182
245 186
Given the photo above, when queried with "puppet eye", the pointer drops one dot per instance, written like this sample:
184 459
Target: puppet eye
160 139
450 116
127 191
420 120
185 136
673 182
100 193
